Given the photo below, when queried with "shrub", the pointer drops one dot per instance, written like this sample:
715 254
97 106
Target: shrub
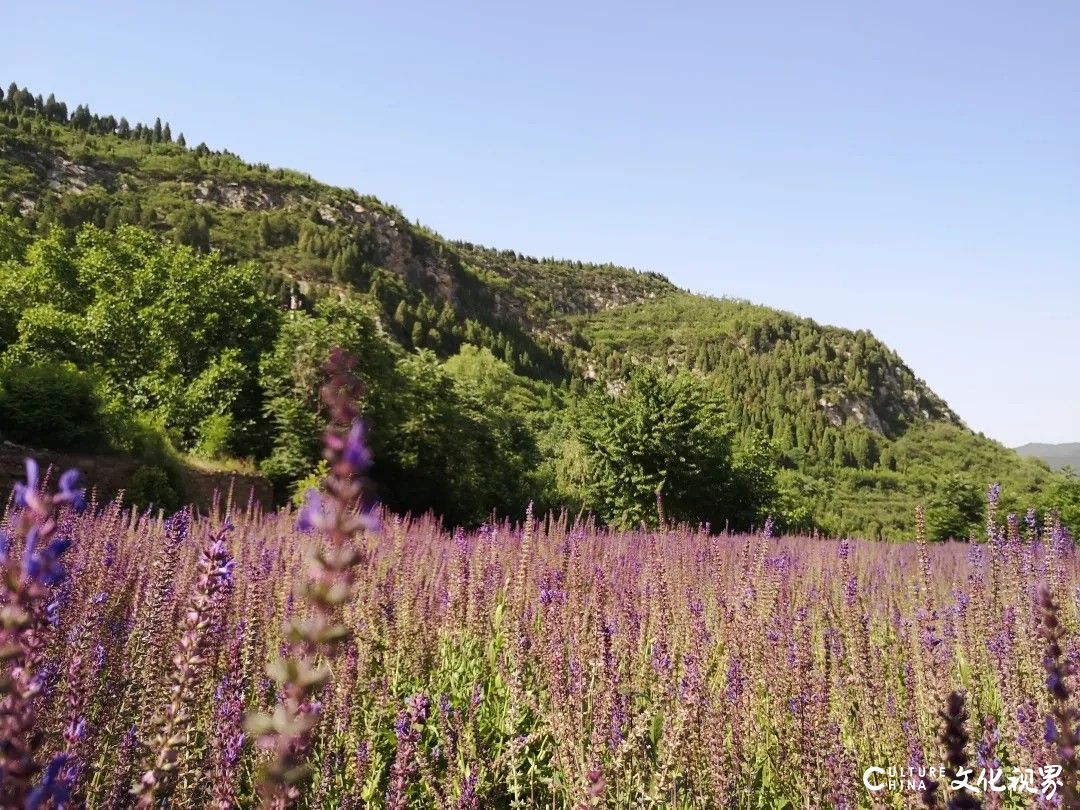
150 486
50 405
215 437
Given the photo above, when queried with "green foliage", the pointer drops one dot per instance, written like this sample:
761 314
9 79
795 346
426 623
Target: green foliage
216 437
797 502
173 332
150 486
956 510
290 375
51 405
313 480
189 345
667 436
1062 495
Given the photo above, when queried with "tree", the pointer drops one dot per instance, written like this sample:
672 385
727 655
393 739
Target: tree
191 227
123 129
170 331
181 141
52 108
290 375
955 509
401 315
1063 496
662 436
80 119
51 405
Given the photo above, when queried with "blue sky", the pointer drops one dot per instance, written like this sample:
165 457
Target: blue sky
910 168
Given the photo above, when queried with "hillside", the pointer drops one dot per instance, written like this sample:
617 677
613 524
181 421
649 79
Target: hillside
1056 456
859 437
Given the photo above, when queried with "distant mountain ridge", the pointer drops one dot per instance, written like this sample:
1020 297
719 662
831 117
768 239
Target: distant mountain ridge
1057 456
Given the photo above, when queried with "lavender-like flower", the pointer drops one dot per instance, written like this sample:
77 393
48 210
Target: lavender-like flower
228 742
468 800
407 729
51 788
954 738
338 512
214 578
1062 722
26 618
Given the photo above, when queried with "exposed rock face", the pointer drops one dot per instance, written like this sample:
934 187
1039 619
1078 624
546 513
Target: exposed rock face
394 249
238 196
848 410
65 176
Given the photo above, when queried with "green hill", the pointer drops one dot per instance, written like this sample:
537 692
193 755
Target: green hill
859 438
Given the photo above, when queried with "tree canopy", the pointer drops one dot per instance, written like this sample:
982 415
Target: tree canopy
658 436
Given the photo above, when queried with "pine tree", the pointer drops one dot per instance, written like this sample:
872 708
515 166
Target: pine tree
181 141
166 133
80 119
157 130
266 234
123 129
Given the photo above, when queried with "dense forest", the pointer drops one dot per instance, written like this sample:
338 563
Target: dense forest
163 300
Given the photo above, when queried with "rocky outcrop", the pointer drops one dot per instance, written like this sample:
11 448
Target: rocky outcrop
65 176
849 410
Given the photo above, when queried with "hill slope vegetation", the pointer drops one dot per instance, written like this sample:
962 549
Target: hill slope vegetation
177 294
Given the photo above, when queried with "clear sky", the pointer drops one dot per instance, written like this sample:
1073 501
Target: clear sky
912 168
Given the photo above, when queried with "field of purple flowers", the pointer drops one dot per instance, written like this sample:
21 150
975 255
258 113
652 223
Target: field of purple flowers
340 658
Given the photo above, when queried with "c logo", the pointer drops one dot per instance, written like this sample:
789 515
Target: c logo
873 788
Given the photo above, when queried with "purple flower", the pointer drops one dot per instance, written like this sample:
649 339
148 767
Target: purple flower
69 491
26 495
736 680
312 514
419 705
43 564
661 658
178 526
51 787
356 451
468 799
851 591
1051 733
